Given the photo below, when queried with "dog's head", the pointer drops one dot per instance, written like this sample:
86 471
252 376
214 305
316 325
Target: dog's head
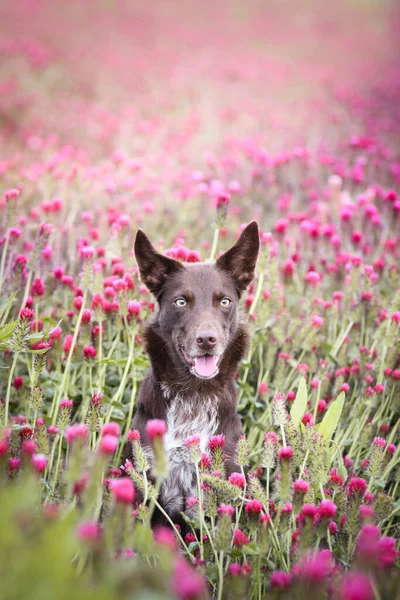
198 302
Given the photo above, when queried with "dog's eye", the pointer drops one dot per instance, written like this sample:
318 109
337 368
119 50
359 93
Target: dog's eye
225 302
180 302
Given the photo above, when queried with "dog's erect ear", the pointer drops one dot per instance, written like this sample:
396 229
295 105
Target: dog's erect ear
154 267
240 260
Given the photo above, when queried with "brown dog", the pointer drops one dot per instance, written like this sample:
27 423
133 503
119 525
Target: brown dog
195 344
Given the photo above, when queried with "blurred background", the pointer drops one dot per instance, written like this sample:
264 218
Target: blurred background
186 77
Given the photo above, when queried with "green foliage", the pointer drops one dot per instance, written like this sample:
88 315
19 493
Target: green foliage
300 403
331 419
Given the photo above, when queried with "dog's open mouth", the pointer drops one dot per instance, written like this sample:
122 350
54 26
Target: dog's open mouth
205 366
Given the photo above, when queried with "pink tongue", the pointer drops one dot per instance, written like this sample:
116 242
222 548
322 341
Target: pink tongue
205 366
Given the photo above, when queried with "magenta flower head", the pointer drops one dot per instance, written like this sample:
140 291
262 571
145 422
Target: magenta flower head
333 528
192 440
356 586
271 437
308 511
217 441
301 486
134 307
254 507
226 509
366 512
204 462
263 389
235 569
39 462
66 404
387 551
89 352
327 509
264 519
111 429
15 463
222 199
76 432
155 428
379 442
186 582
285 453
281 580
367 543
237 479
165 537
11 194
108 444
357 486
240 538
316 568
192 501
286 509
133 435
317 321
123 490
312 277
28 447
89 531
38 287
87 252
391 449
26 314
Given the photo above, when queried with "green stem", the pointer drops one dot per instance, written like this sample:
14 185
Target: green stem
283 435
54 481
3 260
200 496
220 575
258 293
100 356
341 338
267 490
160 508
27 288
316 403
154 497
122 385
303 466
214 244
9 383
57 397
239 514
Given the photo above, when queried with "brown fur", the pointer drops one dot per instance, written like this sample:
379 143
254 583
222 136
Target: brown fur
202 327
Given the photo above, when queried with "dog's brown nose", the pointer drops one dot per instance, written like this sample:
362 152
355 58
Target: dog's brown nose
206 339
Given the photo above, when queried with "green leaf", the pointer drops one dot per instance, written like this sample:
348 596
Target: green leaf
4 306
212 572
300 403
326 348
332 417
193 546
118 414
35 337
249 550
38 351
7 330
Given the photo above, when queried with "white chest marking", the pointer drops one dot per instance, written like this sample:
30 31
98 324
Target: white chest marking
185 417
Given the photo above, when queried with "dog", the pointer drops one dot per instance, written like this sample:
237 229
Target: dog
195 344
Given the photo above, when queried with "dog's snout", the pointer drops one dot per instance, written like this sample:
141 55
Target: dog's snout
206 339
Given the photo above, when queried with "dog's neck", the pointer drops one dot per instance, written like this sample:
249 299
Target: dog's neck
169 371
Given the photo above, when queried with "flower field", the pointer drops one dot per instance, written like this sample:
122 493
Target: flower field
188 120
